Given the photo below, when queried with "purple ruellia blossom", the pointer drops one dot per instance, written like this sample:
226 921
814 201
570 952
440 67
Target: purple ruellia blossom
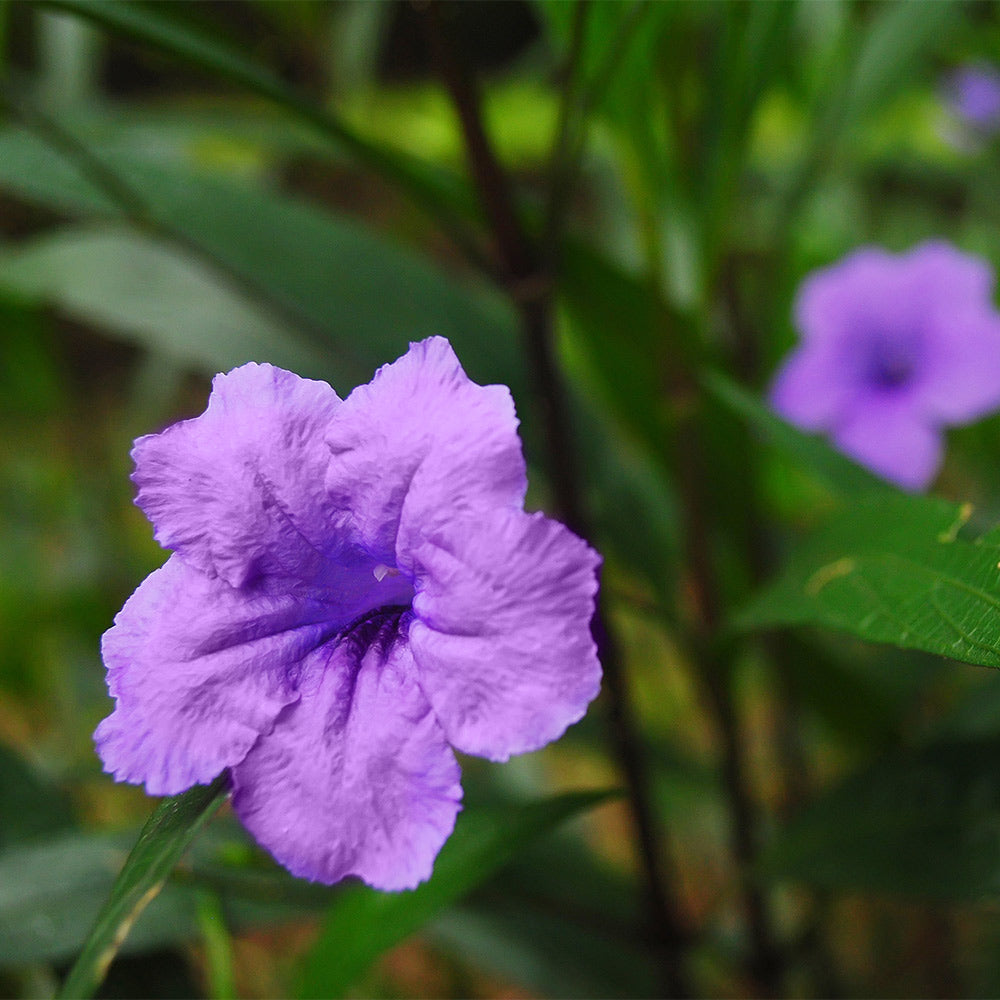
893 349
355 588
973 92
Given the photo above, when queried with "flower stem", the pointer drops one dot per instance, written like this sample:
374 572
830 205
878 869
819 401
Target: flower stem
528 275
713 658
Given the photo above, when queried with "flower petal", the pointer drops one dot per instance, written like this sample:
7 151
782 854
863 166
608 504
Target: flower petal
913 336
864 289
943 279
973 91
893 440
356 778
502 638
420 443
961 379
815 385
198 670
873 293
238 491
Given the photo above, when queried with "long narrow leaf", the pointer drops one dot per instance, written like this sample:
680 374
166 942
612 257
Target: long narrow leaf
889 49
152 293
163 840
353 293
838 471
169 35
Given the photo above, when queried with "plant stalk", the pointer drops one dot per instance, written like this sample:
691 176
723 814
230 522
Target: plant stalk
528 276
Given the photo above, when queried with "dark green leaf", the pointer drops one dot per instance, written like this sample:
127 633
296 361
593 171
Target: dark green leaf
891 569
52 889
887 51
170 829
616 43
838 471
634 506
557 921
555 911
349 292
753 37
364 923
620 45
29 805
863 693
925 823
115 279
51 892
614 328
169 34
900 33
546 952
159 30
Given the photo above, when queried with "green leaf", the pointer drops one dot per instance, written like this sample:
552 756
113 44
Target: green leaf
355 295
924 823
218 946
617 42
259 274
547 952
147 25
556 920
29 805
889 48
170 829
749 55
52 890
363 923
899 35
633 504
863 693
614 337
116 279
838 471
892 569
170 35
255 273
621 42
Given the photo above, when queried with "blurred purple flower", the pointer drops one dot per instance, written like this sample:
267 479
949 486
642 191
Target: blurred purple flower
355 588
893 349
973 93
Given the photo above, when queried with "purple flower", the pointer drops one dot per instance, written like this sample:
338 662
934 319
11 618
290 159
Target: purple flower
355 588
973 92
894 348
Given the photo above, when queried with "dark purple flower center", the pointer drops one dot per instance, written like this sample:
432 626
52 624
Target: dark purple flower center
890 364
378 627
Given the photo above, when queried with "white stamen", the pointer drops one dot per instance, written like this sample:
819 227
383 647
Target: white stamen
381 571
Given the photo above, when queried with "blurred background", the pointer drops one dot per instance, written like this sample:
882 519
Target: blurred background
596 203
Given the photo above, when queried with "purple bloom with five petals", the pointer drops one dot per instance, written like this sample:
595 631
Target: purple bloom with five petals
355 588
894 348
973 92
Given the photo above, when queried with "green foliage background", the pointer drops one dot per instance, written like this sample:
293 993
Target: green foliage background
607 206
